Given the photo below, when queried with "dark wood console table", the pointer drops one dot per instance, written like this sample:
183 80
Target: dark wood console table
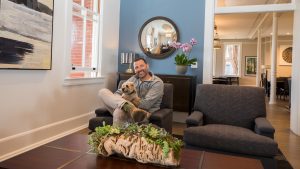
184 89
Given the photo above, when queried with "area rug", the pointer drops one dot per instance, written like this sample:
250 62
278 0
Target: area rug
282 162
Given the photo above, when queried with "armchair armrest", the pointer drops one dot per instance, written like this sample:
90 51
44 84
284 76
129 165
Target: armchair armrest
160 114
162 118
102 112
195 119
264 127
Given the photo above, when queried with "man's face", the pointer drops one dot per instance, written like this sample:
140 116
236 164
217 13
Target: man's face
141 69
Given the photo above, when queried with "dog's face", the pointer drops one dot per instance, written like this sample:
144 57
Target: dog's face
128 88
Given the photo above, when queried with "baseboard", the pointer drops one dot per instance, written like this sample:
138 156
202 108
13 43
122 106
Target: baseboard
180 117
14 145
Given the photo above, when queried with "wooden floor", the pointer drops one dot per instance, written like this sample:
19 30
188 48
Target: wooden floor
71 151
289 143
279 115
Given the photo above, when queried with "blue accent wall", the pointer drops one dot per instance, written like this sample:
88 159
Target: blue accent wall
188 15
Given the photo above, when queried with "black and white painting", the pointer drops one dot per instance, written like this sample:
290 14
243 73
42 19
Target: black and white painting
26 34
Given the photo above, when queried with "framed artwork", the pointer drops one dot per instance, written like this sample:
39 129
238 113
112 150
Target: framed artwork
250 65
26 34
285 55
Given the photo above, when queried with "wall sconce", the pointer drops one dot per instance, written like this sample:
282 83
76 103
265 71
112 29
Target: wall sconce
217 41
127 58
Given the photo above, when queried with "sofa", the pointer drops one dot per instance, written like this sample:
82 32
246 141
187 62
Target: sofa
231 120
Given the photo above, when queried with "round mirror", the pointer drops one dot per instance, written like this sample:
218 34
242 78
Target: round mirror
156 35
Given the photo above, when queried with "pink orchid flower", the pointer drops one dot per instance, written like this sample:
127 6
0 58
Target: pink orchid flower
175 45
193 41
186 47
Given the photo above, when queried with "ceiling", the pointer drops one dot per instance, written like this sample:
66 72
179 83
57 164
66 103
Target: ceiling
243 26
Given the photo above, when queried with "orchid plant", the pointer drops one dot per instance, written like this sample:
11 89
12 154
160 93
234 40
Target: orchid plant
183 57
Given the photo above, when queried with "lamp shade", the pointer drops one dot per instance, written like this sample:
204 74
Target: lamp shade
217 42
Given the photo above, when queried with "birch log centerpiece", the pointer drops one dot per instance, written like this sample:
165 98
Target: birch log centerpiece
144 143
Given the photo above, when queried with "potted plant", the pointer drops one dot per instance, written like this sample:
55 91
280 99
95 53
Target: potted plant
182 59
144 143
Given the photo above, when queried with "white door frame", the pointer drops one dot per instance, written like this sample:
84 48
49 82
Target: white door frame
211 9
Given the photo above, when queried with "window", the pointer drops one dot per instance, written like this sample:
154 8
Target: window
232 59
85 38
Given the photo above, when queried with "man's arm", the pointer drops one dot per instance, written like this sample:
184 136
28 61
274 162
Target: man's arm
154 94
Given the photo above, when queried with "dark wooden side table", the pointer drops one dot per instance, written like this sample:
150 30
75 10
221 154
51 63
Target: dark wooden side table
184 89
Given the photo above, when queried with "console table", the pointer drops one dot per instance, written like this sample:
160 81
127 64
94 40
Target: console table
183 91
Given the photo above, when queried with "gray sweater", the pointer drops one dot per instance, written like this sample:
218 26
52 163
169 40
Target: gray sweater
150 91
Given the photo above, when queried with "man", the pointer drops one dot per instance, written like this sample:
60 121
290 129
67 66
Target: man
149 88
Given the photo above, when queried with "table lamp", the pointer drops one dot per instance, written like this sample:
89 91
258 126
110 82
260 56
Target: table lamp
127 58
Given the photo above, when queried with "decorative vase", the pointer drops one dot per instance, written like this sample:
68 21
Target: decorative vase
181 69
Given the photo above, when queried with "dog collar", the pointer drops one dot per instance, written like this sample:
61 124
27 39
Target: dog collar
132 92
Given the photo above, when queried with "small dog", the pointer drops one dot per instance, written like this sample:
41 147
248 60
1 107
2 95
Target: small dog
129 93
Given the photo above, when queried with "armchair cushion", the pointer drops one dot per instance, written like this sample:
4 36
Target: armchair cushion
230 138
230 105
264 127
195 119
167 100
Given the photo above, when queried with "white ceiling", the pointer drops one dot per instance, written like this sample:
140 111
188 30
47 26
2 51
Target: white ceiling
242 26
221 3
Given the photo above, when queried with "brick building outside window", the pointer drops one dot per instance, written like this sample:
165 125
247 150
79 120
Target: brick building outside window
85 38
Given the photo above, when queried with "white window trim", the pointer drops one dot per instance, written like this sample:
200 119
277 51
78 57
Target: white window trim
97 78
83 81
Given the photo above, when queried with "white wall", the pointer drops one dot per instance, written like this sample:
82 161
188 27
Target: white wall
248 48
35 106
295 94
282 71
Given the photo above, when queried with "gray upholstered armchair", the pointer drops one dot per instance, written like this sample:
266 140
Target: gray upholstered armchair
231 119
162 117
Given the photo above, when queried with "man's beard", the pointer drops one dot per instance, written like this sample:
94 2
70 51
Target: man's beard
142 73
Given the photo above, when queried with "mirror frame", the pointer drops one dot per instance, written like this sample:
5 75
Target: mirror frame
163 55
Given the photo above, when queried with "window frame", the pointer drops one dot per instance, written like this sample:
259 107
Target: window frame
239 58
91 75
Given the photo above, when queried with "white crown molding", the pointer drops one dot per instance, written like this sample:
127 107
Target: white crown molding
256 8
